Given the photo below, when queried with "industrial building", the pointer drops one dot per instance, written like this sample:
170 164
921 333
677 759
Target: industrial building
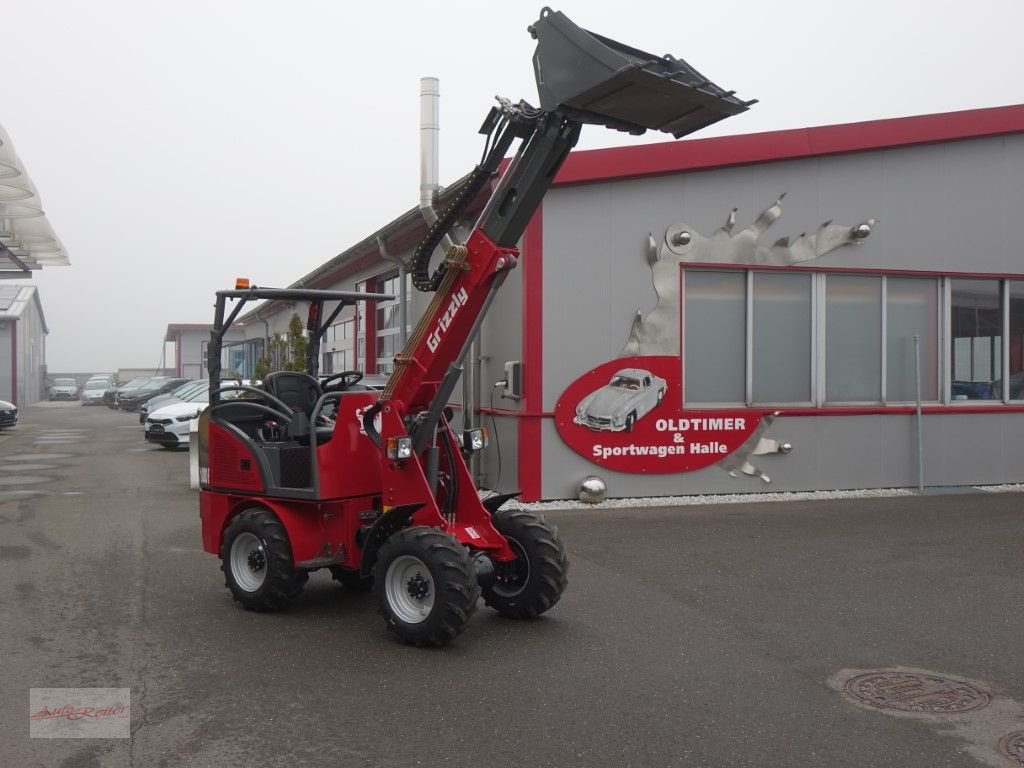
819 308
27 243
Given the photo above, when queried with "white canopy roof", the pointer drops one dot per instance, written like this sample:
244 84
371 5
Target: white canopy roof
27 241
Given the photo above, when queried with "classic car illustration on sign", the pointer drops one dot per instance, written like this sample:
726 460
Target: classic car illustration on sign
631 394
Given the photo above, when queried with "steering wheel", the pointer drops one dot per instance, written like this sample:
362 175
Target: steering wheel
345 380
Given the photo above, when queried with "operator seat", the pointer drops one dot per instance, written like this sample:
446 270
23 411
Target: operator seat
300 392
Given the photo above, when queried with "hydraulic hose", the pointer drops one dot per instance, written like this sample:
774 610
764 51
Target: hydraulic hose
420 265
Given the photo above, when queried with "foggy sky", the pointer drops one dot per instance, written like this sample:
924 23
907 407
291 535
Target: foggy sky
176 146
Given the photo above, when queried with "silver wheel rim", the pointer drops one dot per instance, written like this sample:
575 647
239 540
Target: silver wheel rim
248 562
409 588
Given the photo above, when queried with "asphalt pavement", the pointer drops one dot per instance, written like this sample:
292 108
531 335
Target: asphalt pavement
720 635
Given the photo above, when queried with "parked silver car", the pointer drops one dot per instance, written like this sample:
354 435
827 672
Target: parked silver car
64 389
630 395
92 391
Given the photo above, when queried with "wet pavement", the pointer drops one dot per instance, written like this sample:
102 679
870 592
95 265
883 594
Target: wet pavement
870 632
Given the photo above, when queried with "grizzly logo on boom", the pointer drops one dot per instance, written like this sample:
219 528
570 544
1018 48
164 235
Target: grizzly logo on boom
458 300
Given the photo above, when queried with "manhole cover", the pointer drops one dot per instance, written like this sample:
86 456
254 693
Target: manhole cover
1013 746
914 692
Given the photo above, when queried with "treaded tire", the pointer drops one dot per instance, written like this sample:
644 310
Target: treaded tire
272 580
531 585
422 568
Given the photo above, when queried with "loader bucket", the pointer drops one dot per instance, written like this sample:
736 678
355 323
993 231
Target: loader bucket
598 80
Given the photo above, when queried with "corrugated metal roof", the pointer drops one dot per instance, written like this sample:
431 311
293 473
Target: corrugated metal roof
27 241
14 300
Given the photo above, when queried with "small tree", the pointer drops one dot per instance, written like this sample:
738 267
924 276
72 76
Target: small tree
285 353
298 345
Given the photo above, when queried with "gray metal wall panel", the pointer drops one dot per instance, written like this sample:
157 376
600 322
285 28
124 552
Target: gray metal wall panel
6 384
501 341
829 453
950 207
31 348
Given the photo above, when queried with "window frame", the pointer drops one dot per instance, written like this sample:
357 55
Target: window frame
819 338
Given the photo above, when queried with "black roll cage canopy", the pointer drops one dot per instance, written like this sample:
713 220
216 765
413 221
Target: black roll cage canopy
316 323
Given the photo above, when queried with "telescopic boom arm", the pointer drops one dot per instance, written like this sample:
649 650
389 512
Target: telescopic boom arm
581 78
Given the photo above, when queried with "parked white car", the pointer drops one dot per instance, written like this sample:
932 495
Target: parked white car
168 427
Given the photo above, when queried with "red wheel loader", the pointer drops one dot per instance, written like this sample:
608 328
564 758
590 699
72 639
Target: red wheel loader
380 493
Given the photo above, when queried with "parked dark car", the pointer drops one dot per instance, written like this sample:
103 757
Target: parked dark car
133 400
8 414
110 396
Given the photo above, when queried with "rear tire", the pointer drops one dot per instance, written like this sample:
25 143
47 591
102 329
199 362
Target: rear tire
533 583
426 586
256 558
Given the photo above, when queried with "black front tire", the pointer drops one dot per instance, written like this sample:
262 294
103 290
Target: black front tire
533 583
426 586
256 558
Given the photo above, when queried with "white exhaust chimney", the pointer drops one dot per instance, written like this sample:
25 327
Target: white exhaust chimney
430 129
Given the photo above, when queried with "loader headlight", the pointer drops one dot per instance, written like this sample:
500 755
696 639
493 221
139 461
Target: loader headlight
475 439
399 447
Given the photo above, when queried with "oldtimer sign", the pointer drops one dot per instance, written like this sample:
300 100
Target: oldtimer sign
625 415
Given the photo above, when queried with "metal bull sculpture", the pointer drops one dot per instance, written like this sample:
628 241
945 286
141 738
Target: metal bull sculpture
658 332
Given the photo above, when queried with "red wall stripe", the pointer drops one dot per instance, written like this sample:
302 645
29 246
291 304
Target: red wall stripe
699 154
991 407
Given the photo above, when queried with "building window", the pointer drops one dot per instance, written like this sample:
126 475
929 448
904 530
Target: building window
853 339
976 341
341 355
718 371
781 338
766 338
1015 346
912 309
388 326
337 362
238 356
